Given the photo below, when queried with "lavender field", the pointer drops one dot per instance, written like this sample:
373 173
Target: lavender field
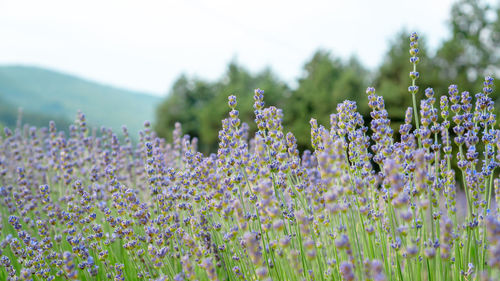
368 203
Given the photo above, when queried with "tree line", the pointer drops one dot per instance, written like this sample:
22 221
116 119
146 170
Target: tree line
472 51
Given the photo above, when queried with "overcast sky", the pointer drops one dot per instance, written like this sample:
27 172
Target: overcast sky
145 45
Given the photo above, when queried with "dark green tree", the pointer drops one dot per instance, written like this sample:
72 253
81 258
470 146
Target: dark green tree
392 77
239 82
200 106
326 82
472 52
183 103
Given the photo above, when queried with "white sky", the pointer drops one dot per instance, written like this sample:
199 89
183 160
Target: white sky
145 45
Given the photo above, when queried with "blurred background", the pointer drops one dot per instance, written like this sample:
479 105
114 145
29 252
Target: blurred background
124 62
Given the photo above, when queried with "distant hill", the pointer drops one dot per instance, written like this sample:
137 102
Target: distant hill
9 117
51 93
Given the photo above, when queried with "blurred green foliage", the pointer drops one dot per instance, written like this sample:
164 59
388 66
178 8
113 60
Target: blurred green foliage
199 105
327 81
471 52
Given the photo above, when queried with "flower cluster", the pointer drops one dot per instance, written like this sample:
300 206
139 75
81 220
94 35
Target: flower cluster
368 203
